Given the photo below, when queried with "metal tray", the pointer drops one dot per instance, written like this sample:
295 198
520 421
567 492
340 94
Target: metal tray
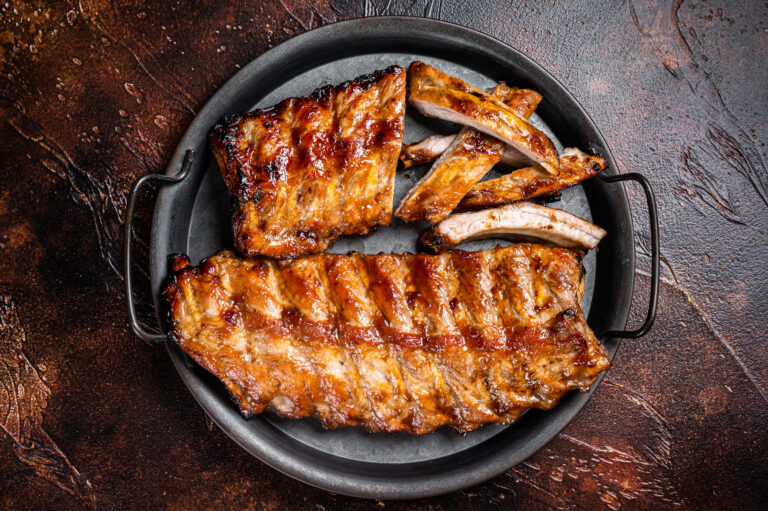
192 216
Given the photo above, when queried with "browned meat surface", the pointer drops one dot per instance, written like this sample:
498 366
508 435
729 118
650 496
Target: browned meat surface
426 150
521 220
522 101
575 167
469 157
391 342
437 94
309 169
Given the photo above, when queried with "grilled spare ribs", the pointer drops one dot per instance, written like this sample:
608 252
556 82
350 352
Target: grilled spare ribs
391 342
521 220
522 101
469 157
437 94
310 169
575 167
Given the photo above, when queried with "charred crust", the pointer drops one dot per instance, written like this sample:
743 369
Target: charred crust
598 163
224 136
223 142
178 262
322 94
362 82
273 170
369 79
432 243
406 159
232 118
240 403
549 198
590 166
224 132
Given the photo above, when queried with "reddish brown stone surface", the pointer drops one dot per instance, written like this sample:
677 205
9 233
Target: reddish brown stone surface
93 95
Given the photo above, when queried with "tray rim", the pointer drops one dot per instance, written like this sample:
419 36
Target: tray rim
322 477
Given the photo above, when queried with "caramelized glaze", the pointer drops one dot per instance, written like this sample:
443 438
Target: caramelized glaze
391 342
312 168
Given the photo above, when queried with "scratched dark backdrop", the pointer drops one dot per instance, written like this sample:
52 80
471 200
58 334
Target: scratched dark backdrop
95 94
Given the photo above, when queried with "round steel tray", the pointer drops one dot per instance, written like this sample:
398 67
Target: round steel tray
192 216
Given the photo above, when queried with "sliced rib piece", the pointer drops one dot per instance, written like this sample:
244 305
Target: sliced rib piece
309 169
426 150
391 342
522 101
430 148
437 94
575 167
521 220
469 157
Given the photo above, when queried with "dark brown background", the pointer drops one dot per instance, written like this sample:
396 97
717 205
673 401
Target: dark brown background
95 94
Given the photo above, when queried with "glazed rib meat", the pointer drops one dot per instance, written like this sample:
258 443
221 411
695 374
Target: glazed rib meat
521 220
425 150
391 342
575 167
521 101
469 157
310 169
437 94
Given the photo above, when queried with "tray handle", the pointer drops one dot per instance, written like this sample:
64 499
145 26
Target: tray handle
654 226
138 329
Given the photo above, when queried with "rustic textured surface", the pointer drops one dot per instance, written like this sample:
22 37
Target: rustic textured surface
94 95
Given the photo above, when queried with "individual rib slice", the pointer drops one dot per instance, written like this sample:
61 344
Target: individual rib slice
437 94
309 169
522 101
521 220
425 150
391 342
575 167
469 157
430 148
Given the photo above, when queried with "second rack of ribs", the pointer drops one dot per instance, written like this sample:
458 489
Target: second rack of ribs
391 342
312 168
